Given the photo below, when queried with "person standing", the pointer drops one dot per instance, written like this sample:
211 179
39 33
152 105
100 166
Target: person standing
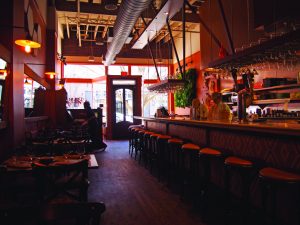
219 111
92 125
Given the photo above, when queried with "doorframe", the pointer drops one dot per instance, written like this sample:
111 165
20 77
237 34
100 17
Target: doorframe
137 100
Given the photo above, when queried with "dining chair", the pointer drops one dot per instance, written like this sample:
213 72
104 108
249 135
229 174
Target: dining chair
65 179
88 213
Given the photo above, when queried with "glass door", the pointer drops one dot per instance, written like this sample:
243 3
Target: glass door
123 110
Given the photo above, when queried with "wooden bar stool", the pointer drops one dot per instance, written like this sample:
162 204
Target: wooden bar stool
131 137
189 166
135 140
140 144
147 147
244 168
153 150
162 141
271 179
206 156
173 157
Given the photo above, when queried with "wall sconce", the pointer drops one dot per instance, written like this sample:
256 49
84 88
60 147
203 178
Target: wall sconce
51 74
27 43
27 83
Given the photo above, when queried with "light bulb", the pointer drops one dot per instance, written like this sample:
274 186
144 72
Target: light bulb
27 49
5 74
51 76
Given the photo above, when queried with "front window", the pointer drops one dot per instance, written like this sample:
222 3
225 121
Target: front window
81 71
117 70
149 72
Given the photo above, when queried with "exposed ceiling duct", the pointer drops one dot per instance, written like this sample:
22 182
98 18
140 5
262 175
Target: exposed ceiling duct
129 12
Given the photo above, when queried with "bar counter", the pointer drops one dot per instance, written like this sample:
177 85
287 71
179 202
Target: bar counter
266 144
274 144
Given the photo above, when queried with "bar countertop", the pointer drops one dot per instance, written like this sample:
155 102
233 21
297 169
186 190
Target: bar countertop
271 127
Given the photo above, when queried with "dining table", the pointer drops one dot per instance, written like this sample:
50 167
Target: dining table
24 163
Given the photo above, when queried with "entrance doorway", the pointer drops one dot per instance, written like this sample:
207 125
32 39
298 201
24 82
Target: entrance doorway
124 102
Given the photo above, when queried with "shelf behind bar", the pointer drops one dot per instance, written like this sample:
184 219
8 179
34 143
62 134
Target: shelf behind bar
279 87
275 101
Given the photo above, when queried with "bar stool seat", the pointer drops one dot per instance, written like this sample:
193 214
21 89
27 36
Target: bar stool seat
155 135
162 136
279 175
175 141
190 146
210 152
239 162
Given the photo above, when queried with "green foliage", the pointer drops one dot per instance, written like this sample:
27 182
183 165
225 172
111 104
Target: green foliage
183 98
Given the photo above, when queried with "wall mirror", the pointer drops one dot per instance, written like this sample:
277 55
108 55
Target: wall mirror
3 75
30 86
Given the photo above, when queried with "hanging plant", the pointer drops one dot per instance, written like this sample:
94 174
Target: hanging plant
184 97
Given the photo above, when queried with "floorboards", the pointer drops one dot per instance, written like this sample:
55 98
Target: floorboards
132 195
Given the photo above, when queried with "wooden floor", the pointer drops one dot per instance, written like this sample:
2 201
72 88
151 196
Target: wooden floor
132 195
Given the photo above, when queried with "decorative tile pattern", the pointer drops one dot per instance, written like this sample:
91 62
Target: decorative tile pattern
156 127
196 135
274 150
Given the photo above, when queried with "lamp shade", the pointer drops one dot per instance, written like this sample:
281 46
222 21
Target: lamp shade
28 44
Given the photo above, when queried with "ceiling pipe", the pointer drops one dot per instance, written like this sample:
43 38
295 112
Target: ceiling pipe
129 12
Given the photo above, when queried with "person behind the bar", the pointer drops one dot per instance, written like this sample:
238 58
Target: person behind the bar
219 111
198 111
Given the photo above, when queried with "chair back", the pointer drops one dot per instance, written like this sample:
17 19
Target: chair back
53 214
54 180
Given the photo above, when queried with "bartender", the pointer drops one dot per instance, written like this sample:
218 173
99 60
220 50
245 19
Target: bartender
219 110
